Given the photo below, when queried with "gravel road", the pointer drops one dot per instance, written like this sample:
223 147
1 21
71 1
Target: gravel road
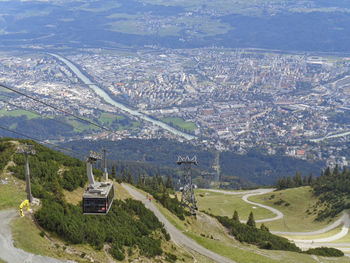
249 193
304 244
176 235
8 252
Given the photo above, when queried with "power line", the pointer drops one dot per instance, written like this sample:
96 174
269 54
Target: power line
48 143
56 108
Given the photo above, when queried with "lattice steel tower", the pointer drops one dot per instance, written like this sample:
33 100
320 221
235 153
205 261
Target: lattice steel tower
188 198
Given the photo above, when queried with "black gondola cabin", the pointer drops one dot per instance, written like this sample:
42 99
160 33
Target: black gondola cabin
98 200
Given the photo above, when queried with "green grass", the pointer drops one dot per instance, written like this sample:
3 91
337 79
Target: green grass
12 195
313 237
18 113
224 244
228 251
224 205
198 26
26 235
109 118
187 125
295 218
80 126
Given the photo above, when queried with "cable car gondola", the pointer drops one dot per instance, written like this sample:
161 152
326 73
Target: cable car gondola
98 197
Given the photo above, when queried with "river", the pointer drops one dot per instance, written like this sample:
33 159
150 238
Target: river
330 136
100 92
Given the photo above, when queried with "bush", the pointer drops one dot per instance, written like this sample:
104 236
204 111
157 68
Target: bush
117 254
170 257
325 252
42 233
261 238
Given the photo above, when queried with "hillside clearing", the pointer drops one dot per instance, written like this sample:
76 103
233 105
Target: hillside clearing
224 205
297 205
207 232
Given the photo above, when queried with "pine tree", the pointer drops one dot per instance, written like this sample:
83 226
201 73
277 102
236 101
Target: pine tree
169 183
251 221
278 183
124 176
305 180
264 228
310 179
336 170
290 183
235 216
345 170
297 179
114 172
154 183
283 183
139 181
328 172
130 180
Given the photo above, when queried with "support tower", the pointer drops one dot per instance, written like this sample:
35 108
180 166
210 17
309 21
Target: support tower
105 172
188 198
27 149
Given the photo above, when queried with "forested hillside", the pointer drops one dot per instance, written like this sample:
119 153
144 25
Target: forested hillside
265 169
333 188
128 228
154 156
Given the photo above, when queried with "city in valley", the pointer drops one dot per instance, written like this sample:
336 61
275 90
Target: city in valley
292 104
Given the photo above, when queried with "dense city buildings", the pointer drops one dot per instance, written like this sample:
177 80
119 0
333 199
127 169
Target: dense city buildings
228 99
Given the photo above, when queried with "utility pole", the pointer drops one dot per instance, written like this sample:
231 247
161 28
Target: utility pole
27 149
188 198
105 172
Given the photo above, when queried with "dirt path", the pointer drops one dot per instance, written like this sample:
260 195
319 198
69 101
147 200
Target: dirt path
176 235
8 252
304 244
247 194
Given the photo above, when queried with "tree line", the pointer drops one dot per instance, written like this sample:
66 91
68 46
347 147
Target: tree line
158 188
262 237
296 181
333 189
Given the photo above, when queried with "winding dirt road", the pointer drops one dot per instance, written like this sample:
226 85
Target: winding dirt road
247 194
8 252
176 235
304 244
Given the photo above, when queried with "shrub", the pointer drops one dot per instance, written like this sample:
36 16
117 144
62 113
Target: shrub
252 235
42 233
325 252
170 257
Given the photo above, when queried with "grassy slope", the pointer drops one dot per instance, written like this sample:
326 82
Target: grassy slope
17 113
295 216
26 236
204 227
224 205
327 234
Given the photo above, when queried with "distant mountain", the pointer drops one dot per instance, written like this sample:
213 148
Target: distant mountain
310 25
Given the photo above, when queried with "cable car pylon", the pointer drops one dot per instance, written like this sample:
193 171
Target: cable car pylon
188 198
